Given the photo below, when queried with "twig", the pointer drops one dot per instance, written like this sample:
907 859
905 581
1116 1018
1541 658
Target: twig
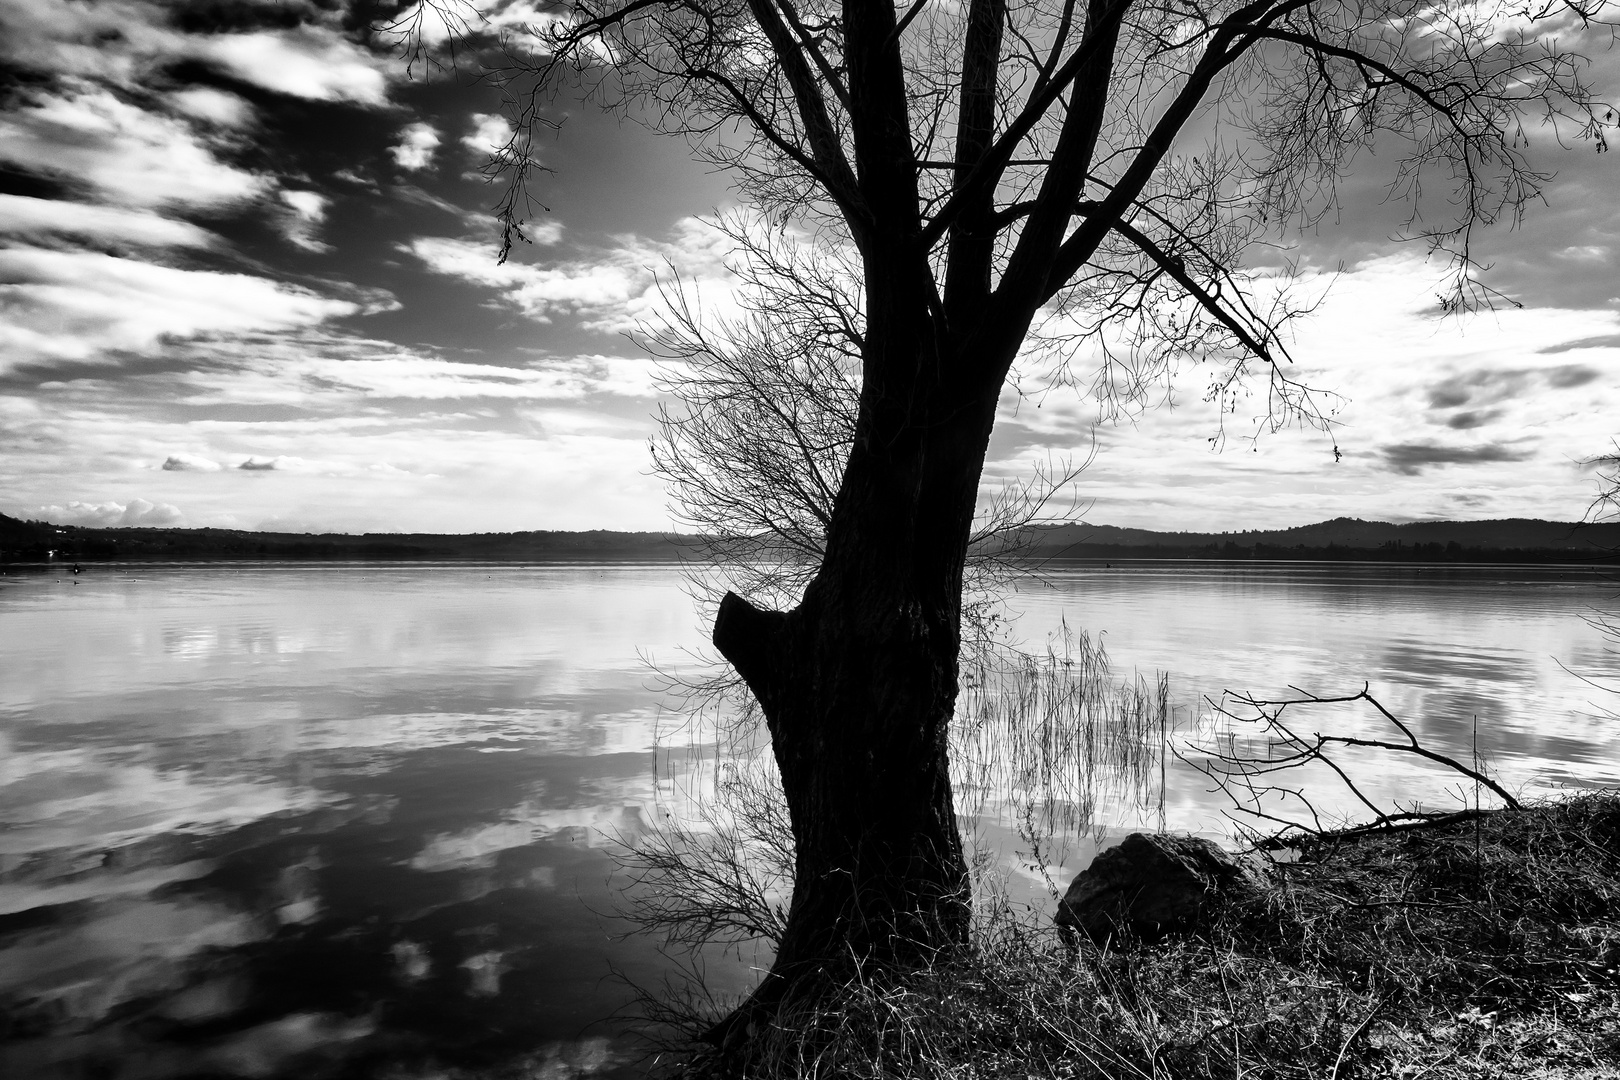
1354 1035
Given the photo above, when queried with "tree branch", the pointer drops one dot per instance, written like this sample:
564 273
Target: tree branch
825 146
1177 270
987 172
972 239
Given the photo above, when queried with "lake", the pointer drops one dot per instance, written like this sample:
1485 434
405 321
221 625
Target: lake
358 820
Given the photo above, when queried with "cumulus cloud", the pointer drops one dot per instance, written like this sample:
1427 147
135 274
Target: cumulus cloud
29 218
417 142
305 212
76 305
135 513
85 135
190 463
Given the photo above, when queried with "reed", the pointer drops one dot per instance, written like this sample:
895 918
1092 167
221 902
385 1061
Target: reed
1057 737
1050 742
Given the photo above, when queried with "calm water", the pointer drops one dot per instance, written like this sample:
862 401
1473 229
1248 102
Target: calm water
347 820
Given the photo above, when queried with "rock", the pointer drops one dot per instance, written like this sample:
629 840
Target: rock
1151 884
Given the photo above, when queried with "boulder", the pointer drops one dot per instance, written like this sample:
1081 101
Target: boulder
1150 884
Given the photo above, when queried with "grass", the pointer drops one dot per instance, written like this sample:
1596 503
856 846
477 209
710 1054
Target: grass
1481 948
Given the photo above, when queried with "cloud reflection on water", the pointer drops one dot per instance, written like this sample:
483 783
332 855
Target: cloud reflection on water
320 821
270 859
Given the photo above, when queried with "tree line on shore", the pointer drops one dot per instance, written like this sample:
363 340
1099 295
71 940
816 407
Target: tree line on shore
1347 540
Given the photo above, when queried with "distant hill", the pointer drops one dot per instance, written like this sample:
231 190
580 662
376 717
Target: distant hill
1339 538
1509 540
23 539
36 541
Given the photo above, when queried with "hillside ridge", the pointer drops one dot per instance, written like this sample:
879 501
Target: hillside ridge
1528 539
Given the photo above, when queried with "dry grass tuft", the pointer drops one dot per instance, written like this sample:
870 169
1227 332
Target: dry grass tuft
1484 948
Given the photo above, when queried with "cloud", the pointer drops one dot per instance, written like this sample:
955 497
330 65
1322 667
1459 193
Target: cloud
113 40
1604 341
291 463
1449 395
312 62
306 213
86 136
1404 375
423 378
489 135
190 463
1465 421
350 176
1489 386
1410 459
608 290
1571 375
347 433
1480 387
475 220
105 515
128 41
417 142
323 370
34 219
437 24
212 106
59 305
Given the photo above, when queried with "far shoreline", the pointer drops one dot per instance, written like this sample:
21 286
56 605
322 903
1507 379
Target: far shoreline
1343 540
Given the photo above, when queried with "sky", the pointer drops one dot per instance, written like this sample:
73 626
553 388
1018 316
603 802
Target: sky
249 279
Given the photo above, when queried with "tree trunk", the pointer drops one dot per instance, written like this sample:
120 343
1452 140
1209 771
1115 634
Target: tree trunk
858 686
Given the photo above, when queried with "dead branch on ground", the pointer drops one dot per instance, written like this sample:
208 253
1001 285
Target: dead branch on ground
1252 780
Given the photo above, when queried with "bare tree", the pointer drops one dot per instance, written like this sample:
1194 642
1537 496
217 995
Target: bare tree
995 164
758 416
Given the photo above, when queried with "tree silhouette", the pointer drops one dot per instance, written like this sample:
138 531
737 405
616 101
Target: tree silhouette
1092 173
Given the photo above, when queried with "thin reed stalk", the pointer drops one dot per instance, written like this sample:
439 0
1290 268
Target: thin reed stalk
1054 736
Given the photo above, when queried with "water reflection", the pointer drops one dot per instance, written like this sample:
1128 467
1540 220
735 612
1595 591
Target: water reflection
350 821
294 822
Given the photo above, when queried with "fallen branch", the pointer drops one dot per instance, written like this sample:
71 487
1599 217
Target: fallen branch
1249 780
